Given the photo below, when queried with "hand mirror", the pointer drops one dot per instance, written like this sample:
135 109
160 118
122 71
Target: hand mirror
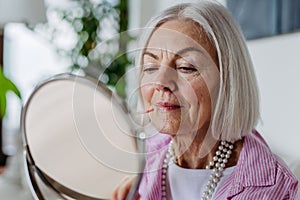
79 141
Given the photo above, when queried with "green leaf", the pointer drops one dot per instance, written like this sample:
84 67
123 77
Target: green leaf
6 85
2 105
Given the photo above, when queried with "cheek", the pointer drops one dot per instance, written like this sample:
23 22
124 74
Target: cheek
147 93
203 88
204 97
204 105
199 98
194 91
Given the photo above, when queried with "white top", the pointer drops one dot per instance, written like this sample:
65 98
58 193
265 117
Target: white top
190 183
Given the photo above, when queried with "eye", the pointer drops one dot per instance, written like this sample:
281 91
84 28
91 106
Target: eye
186 69
150 68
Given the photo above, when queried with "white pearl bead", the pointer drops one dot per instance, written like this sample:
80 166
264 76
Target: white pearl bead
216 180
218 174
213 185
210 191
219 163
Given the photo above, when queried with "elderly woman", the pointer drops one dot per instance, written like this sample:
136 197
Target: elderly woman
199 90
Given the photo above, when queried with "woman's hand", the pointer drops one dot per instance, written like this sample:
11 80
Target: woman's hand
120 193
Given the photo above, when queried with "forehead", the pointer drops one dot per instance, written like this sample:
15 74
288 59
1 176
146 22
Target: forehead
178 33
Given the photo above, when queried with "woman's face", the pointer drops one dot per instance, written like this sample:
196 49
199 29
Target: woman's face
179 78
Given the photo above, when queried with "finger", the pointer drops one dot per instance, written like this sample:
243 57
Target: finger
137 197
114 195
122 189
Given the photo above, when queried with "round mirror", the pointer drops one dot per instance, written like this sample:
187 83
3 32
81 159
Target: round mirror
79 140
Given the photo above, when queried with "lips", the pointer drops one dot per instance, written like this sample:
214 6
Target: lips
168 106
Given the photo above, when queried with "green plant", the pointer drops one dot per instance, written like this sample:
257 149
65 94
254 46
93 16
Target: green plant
101 43
6 86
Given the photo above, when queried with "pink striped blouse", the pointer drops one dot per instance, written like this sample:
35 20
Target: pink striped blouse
258 175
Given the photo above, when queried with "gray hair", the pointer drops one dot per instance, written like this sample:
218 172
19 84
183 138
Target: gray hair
236 111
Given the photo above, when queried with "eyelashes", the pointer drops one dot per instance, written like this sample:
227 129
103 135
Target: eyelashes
185 69
149 69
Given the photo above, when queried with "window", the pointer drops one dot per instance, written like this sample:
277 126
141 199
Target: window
266 18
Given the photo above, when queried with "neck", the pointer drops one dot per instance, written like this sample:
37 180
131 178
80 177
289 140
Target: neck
197 152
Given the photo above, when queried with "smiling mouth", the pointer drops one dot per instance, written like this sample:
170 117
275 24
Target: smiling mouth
166 106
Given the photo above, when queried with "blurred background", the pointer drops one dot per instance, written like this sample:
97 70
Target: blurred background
39 39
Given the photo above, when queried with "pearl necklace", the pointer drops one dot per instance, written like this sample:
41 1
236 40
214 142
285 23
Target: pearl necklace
217 164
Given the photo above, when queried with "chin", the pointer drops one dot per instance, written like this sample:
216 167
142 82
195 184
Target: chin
167 129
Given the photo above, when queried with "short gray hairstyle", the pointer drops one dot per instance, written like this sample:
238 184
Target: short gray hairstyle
236 111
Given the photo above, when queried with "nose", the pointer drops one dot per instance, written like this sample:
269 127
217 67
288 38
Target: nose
166 79
170 86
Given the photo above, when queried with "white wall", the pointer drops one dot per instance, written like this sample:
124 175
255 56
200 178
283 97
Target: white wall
277 65
28 59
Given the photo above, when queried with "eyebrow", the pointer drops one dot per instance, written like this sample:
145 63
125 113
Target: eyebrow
150 54
178 53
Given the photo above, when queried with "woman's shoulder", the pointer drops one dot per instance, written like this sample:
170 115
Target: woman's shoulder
261 174
261 154
257 150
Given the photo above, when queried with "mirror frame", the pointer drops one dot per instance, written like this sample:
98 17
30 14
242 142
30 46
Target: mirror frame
32 170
